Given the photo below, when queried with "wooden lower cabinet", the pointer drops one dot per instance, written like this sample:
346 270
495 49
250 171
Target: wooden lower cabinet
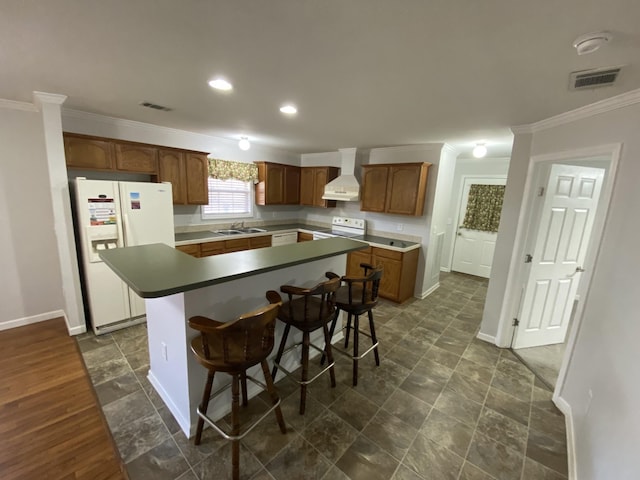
207 249
305 237
400 268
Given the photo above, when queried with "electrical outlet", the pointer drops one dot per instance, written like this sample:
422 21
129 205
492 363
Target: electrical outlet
399 227
165 354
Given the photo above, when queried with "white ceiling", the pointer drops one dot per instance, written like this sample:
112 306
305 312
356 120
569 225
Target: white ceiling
363 73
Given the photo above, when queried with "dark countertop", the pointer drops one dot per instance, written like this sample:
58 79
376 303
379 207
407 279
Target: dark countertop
373 240
158 270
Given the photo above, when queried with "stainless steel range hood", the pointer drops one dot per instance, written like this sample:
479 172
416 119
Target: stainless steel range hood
346 187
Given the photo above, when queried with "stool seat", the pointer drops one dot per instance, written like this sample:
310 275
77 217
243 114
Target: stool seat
233 347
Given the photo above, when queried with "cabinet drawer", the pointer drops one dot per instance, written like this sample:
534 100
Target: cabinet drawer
383 252
193 249
260 242
211 248
236 245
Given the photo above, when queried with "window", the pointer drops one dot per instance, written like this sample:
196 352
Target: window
228 199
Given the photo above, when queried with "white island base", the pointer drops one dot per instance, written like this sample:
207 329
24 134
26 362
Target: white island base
173 370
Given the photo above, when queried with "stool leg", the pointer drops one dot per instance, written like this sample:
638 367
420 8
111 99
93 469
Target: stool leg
346 337
331 330
204 405
356 326
274 395
283 342
235 426
245 397
327 349
374 339
305 371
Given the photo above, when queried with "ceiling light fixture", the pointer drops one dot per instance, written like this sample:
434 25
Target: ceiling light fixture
244 143
590 42
289 109
220 84
480 150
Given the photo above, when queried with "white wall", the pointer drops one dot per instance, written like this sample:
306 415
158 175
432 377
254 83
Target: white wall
31 276
605 356
466 167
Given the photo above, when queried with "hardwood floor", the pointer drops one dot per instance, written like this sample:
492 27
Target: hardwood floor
51 425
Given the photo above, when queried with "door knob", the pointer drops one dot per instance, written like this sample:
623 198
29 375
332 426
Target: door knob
578 270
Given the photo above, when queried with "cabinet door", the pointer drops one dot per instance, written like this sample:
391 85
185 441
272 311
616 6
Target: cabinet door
292 185
374 188
211 248
193 249
136 158
274 184
236 245
390 282
197 175
81 152
171 168
403 190
306 186
260 242
304 237
354 259
319 181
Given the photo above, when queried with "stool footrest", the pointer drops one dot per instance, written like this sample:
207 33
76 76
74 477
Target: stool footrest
290 374
363 354
250 427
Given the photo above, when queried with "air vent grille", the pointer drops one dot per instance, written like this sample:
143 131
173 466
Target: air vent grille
593 78
155 106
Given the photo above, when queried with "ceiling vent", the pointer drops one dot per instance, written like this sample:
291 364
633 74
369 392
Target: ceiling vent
155 106
599 77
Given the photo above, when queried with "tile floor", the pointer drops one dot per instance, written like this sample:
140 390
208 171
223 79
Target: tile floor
544 361
442 405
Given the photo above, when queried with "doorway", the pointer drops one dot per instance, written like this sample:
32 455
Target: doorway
474 245
567 205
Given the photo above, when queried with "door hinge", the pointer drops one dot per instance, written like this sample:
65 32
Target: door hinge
516 322
540 191
528 258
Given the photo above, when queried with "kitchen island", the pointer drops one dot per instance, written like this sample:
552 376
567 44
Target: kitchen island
176 287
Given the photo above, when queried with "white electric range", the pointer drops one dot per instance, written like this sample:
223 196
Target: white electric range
343 227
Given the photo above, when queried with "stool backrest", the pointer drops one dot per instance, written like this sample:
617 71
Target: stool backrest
246 340
318 302
364 290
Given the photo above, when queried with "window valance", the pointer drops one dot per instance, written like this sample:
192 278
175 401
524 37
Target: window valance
484 207
225 170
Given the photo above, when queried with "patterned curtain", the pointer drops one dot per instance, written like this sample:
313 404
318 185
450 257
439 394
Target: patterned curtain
225 170
484 207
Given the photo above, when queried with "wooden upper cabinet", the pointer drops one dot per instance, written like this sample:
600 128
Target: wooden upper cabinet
395 188
374 187
88 152
278 184
312 183
171 168
131 157
188 173
197 178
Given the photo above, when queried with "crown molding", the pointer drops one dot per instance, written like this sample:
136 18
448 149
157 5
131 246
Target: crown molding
43 97
603 106
15 105
417 147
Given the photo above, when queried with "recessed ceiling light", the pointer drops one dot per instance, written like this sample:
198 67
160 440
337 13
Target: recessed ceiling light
244 143
220 84
289 109
480 150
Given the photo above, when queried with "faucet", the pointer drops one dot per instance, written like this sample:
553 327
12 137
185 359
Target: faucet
237 225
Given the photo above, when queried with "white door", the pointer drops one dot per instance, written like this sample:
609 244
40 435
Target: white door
473 249
569 205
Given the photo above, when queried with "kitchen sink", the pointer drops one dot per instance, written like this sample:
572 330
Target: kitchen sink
252 230
228 232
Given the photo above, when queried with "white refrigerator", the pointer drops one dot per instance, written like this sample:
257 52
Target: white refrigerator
113 214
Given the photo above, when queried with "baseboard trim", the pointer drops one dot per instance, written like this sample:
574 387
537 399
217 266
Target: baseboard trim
424 295
445 269
42 317
486 338
565 408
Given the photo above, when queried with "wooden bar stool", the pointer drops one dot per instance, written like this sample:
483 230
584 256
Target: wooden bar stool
233 348
308 309
359 295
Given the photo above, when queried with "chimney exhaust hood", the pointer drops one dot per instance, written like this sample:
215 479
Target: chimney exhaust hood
344 188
